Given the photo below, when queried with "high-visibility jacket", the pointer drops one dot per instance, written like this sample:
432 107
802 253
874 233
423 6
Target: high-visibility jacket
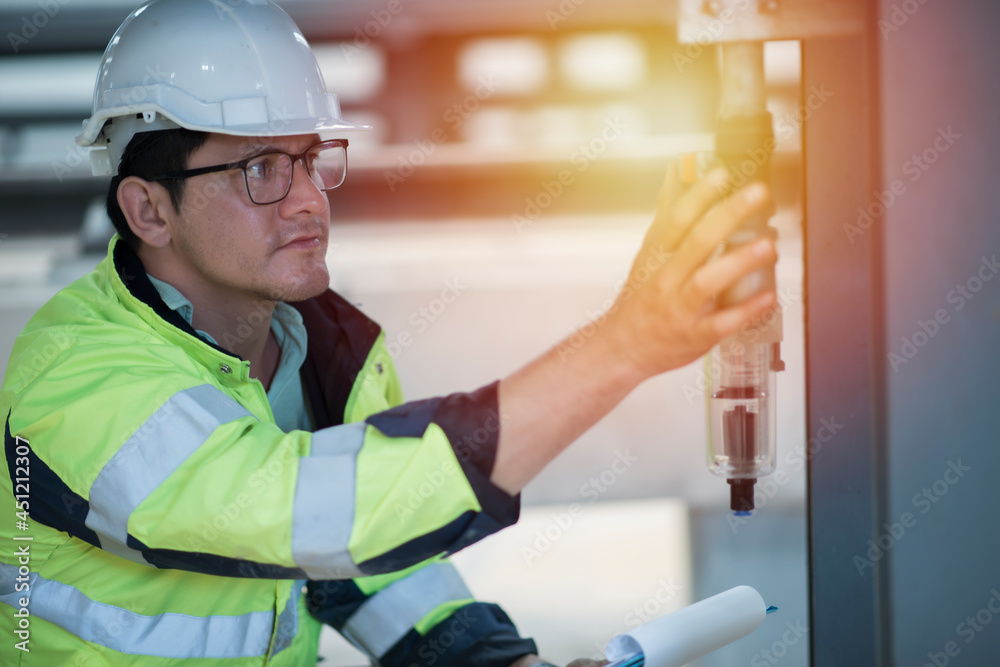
154 514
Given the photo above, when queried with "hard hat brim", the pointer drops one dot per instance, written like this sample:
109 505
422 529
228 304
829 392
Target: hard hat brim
107 147
275 128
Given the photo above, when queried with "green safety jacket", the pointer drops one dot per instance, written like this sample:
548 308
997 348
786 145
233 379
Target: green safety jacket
153 514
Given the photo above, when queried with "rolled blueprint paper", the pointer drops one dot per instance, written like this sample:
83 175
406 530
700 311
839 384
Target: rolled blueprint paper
689 633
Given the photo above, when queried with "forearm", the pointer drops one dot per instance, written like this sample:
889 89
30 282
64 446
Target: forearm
550 402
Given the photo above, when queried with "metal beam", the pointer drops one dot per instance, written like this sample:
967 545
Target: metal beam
845 370
722 21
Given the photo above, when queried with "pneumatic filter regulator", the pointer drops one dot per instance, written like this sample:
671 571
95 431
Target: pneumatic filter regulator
741 369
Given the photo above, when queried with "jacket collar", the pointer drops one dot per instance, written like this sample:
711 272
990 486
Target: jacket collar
340 337
132 273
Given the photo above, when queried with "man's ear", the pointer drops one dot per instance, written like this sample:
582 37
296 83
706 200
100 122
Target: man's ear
147 208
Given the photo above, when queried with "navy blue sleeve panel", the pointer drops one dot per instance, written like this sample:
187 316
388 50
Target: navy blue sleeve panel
50 501
477 635
471 421
333 601
463 530
340 338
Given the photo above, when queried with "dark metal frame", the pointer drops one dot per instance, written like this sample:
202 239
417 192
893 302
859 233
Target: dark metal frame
850 612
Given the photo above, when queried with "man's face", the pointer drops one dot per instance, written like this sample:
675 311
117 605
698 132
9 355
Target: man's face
273 251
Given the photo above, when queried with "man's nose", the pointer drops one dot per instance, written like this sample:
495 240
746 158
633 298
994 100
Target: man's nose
305 193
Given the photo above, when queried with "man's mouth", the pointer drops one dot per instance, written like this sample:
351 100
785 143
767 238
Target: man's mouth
305 242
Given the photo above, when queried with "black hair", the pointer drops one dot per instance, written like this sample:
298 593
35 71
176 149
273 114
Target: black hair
149 154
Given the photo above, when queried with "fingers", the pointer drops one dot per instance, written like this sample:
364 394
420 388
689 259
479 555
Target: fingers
669 191
727 322
716 227
701 196
680 206
722 273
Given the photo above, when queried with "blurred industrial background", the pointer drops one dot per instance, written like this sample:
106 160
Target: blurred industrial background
477 109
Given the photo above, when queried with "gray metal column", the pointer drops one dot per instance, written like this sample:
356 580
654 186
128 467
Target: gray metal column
941 152
844 352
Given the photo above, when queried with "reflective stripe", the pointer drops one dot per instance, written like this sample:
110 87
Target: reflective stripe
387 616
288 621
169 635
323 514
158 448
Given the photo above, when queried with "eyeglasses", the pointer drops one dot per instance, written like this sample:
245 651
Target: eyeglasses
268 177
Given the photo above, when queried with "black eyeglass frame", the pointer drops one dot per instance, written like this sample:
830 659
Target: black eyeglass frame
242 166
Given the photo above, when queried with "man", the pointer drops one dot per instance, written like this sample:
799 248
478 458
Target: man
199 427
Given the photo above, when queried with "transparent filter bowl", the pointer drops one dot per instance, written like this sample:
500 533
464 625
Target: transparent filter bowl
741 414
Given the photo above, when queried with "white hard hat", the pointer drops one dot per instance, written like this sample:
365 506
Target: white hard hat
233 67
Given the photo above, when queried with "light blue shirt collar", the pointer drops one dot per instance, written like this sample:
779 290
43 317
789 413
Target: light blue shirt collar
286 396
